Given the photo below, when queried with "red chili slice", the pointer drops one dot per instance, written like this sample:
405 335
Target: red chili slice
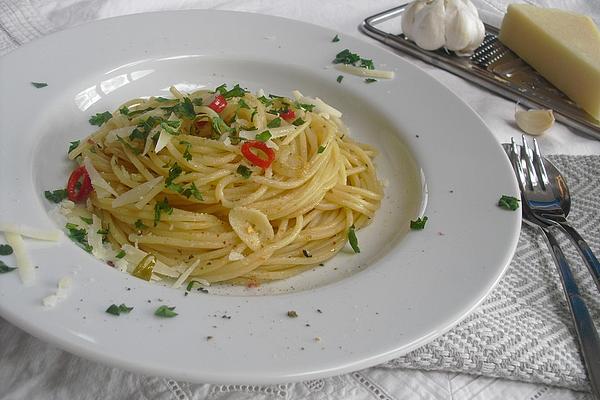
81 193
255 158
218 104
288 115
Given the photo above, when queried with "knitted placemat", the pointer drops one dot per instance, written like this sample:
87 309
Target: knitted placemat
523 330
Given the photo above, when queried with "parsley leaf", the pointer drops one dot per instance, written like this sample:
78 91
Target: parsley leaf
73 145
134 150
243 104
267 102
162 99
79 236
335 39
5 268
171 127
186 153
244 171
88 221
321 149
237 91
165 312
5 250
221 89
275 123
353 239
370 80
118 309
298 122
190 285
264 136
197 101
339 78
121 254
219 126
192 190
185 109
418 224
306 107
346 57
39 85
100 118
139 225
174 173
368 64
56 196
159 208
508 202
124 110
137 134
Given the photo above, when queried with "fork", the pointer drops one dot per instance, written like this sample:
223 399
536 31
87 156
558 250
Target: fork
546 204
587 335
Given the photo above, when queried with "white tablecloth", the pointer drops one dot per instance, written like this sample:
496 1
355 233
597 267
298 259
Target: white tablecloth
34 370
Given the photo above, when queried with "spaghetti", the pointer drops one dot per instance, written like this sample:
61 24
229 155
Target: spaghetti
224 186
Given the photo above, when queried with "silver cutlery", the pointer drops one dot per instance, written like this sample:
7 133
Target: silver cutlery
552 204
528 166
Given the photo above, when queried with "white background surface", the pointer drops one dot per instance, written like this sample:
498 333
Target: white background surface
51 373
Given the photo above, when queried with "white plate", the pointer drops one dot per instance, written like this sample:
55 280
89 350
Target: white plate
403 290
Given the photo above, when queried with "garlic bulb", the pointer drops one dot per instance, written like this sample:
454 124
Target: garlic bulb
453 24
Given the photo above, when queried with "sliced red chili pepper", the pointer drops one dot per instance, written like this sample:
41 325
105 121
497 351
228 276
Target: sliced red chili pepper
218 104
200 124
79 193
255 158
288 115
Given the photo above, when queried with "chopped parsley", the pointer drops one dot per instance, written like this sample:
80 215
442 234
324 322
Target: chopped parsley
139 225
162 99
88 221
174 173
237 91
124 110
186 153
306 253
137 134
321 149
79 236
159 208
267 102
298 121
306 107
339 78
264 136
418 224
221 89
335 39
190 286
353 239
185 109
171 127
100 118
5 250
219 126
244 171
370 80
347 57
192 190
39 85
508 202
243 104
118 309
275 123
197 101
56 196
165 312
121 254
128 145
73 145
5 268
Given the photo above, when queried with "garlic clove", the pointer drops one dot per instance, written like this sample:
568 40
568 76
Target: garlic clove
428 30
534 122
459 26
408 18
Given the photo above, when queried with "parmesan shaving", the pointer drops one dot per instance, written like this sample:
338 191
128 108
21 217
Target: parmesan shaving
52 235
163 140
25 268
137 193
97 179
368 73
320 105
185 275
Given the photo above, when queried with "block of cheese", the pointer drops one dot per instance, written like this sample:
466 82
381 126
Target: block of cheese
562 46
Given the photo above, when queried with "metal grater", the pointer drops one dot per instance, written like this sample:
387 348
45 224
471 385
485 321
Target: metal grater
493 66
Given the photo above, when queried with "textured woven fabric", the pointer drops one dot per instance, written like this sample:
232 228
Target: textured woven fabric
523 330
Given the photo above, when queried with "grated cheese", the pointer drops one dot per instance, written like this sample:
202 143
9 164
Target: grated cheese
52 235
25 268
369 73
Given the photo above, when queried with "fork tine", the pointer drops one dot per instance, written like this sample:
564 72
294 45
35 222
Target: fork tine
527 159
515 158
539 164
